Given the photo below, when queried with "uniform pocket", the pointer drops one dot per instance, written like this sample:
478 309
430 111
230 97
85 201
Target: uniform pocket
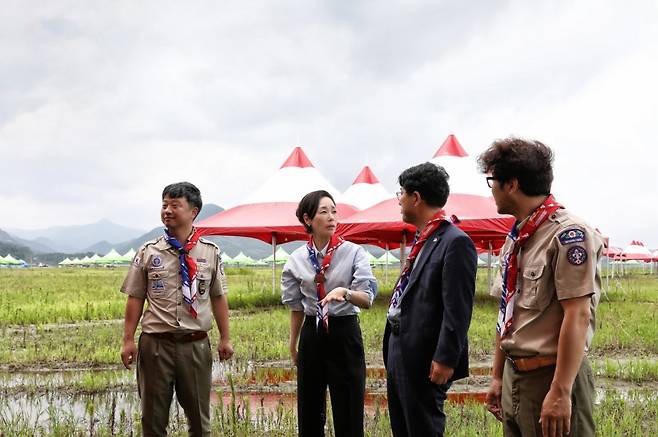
158 282
531 289
203 278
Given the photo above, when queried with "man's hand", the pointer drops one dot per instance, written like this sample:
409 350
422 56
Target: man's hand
494 396
128 353
556 412
440 373
225 349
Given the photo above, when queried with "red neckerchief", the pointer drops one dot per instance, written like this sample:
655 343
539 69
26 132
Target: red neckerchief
431 226
322 313
510 261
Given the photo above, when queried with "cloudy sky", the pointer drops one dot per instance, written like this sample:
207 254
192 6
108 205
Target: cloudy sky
104 103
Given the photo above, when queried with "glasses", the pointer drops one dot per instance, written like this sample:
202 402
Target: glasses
398 194
489 179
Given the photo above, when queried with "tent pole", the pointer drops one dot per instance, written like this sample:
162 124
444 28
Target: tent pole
386 265
273 263
489 275
403 251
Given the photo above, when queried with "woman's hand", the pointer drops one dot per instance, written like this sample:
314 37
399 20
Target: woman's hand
293 354
337 294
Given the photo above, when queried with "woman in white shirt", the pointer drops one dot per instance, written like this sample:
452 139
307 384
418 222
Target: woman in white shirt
325 283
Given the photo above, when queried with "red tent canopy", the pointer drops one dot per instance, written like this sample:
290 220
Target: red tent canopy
262 221
382 224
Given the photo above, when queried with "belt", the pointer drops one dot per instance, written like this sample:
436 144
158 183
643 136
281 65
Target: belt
531 363
179 338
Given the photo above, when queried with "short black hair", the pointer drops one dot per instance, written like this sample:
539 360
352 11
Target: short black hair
186 190
430 180
309 206
528 161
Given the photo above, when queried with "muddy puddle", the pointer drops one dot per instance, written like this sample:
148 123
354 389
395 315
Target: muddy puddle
109 394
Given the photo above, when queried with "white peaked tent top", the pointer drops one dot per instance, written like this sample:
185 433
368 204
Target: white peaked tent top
241 258
636 250
65 261
85 259
94 257
112 254
366 190
292 181
462 169
130 254
281 256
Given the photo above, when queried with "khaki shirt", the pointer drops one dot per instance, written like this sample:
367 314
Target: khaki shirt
560 261
155 276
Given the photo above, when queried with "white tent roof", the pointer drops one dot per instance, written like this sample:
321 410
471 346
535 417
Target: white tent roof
64 262
462 169
296 177
366 190
636 250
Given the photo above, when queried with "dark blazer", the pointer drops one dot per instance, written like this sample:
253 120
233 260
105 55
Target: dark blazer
437 305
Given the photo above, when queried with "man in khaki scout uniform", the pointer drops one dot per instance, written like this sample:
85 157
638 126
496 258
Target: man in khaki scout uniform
549 286
182 278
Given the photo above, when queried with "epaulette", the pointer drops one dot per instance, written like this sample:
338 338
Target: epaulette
152 242
203 240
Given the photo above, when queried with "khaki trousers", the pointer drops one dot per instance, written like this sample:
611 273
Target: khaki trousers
524 393
164 366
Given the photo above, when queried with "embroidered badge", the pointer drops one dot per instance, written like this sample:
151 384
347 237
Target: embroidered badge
221 268
158 285
136 260
156 261
577 255
572 236
201 260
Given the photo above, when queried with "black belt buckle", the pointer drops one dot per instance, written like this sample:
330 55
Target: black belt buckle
395 328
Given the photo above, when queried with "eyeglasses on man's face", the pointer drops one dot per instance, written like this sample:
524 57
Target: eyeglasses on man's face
398 194
489 181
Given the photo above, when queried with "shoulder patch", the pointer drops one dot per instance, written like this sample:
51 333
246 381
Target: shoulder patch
573 235
577 255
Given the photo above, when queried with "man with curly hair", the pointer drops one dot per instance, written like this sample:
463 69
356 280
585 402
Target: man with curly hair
549 286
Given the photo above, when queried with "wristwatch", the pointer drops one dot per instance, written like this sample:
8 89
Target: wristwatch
348 295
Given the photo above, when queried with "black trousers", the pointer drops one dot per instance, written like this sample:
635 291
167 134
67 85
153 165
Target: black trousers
334 359
415 404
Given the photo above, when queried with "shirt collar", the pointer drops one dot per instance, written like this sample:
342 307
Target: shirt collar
323 251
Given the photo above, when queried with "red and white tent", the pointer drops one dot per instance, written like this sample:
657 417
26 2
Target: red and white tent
366 190
636 251
462 169
654 255
475 214
268 214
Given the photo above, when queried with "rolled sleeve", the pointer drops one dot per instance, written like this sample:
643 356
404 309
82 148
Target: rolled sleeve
219 284
135 282
291 293
363 279
576 266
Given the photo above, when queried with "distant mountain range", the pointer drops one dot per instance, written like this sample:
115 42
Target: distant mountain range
76 238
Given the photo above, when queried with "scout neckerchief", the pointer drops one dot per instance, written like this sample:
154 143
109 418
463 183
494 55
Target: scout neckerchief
418 243
187 268
322 312
510 265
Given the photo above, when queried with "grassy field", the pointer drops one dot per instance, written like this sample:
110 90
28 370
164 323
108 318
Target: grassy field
71 319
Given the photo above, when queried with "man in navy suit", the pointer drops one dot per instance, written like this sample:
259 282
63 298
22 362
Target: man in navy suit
425 342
